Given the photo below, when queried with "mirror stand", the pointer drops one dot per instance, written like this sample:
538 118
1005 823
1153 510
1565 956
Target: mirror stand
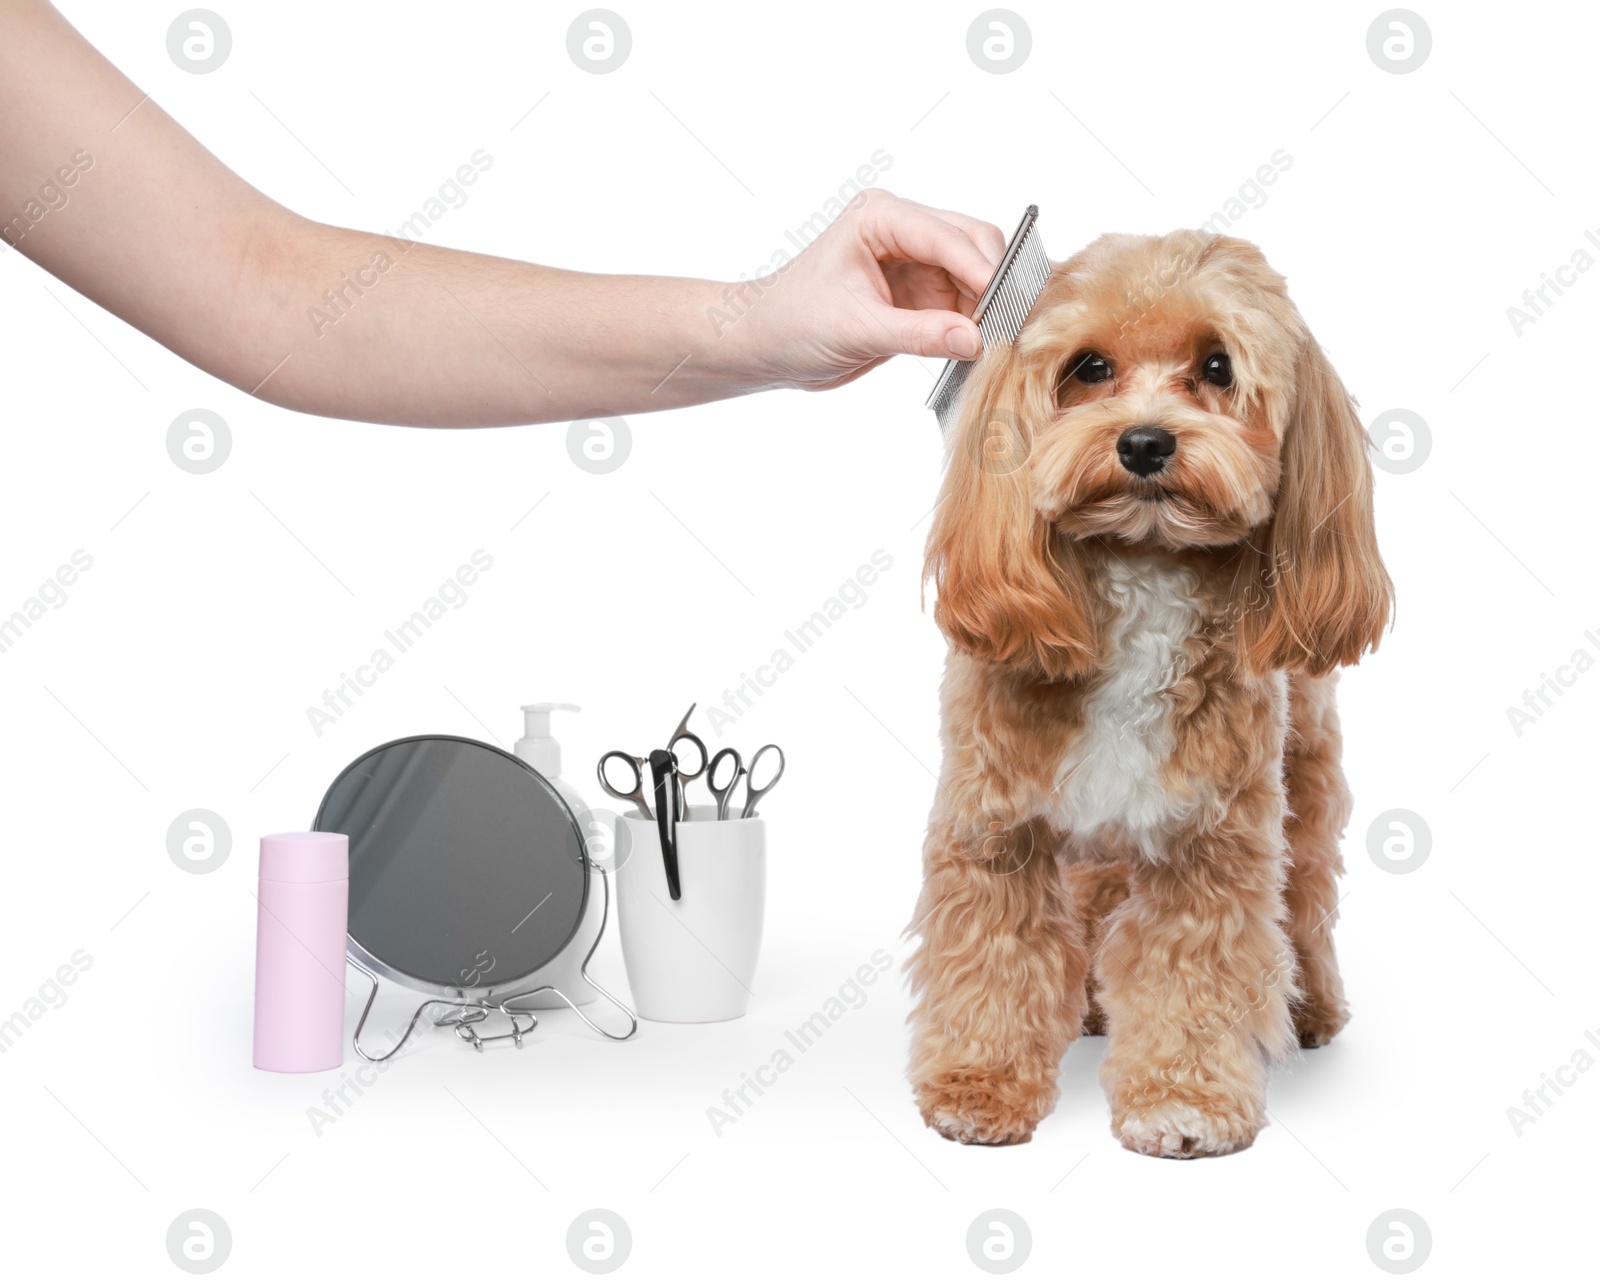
465 1013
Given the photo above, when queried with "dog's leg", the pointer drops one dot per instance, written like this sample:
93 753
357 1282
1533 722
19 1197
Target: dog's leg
1319 807
999 978
1197 976
1095 888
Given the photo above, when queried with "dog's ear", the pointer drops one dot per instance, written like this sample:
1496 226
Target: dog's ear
1316 594
1011 590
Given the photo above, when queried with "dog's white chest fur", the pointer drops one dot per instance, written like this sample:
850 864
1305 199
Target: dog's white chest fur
1113 771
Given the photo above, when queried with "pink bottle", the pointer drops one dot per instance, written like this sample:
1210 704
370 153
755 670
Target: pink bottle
300 940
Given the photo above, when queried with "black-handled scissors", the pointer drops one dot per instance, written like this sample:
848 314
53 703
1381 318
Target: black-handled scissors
665 783
724 794
669 782
634 793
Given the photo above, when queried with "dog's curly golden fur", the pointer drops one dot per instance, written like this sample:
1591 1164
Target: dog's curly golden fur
1153 547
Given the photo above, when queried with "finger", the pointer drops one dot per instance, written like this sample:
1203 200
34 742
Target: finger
986 236
900 229
928 332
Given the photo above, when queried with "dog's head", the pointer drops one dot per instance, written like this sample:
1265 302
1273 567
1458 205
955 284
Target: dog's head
1164 391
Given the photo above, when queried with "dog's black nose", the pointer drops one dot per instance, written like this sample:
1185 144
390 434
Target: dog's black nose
1145 449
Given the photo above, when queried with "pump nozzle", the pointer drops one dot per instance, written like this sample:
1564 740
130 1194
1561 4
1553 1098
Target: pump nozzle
538 748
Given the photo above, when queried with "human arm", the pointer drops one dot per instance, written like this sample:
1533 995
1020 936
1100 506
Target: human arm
351 324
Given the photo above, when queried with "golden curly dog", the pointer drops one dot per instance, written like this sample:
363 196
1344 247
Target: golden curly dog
1153 546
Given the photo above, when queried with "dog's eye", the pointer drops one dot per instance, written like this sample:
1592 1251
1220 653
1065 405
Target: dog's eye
1087 367
1218 370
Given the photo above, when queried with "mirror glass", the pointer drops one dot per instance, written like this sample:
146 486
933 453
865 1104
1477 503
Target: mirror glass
467 869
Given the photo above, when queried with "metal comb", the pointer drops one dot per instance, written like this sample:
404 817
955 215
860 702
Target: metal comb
1016 284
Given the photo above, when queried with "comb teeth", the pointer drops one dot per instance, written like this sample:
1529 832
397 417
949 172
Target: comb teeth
1001 312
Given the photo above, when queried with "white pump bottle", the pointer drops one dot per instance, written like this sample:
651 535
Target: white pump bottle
542 751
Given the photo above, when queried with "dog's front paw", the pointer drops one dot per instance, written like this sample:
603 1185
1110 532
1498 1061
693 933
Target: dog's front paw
1186 1128
979 1108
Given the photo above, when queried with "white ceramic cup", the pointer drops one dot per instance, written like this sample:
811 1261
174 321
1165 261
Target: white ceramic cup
692 959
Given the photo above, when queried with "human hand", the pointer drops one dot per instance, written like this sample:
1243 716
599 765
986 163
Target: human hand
888 276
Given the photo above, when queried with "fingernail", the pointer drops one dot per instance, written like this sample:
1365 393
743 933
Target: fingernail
962 342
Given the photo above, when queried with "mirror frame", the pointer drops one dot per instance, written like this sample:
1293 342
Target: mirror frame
501 990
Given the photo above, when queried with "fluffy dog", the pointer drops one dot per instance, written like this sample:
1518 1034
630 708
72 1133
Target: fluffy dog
1153 547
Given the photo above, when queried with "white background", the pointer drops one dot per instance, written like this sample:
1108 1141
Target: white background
179 672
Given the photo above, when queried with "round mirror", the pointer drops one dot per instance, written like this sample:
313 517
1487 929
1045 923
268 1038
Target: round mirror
467 869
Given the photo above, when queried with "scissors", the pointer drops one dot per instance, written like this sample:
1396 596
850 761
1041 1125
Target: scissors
684 736
724 795
635 793
664 778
